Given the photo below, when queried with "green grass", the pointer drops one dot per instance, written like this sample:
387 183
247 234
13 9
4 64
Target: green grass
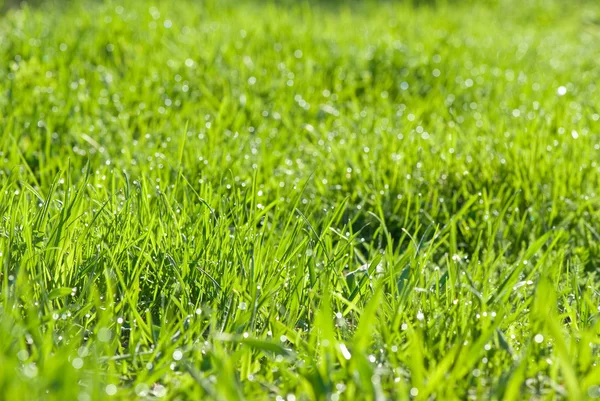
300 201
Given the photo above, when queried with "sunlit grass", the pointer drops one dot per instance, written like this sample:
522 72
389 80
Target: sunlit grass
300 201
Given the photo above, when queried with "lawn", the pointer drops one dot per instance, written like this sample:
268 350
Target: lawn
300 200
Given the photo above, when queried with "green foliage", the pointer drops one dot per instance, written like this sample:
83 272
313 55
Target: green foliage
310 200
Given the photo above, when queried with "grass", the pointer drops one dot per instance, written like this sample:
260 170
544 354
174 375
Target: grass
300 201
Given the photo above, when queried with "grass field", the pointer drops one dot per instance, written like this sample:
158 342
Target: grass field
300 201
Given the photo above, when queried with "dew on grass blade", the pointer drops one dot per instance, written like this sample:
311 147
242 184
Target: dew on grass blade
159 390
30 370
23 355
593 391
82 396
77 363
104 334
111 389
142 389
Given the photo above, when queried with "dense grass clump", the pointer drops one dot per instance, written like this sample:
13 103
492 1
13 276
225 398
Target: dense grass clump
300 201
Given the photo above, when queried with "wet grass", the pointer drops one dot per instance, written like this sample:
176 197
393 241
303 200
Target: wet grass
307 201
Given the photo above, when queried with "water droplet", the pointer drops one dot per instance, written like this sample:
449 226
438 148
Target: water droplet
77 363
345 353
104 335
111 389
30 370
23 355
